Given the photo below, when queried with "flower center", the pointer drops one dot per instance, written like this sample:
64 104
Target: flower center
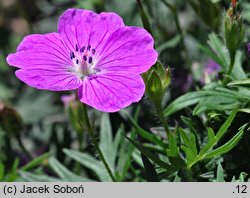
83 61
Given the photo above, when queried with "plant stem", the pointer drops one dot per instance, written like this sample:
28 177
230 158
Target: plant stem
92 135
163 120
231 66
186 175
19 140
232 60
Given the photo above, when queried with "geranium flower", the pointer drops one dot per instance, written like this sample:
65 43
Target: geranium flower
94 53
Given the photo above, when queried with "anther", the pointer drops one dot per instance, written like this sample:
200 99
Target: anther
85 58
72 55
77 61
82 49
89 47
90 60
77 48
93 51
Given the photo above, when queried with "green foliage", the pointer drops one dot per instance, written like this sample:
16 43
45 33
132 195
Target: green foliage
186 128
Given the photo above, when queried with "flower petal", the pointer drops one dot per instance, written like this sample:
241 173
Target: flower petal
84 27
111 92
129 49
44 63
41 51
48 79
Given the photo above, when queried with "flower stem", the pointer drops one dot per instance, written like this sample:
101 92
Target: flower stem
163 120
91 134
232 60
231 66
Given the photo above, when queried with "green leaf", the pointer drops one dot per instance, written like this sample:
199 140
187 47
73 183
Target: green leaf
173 150
35 162
226 125
184 101
220 174
106 140
226 147
89 162
213 139
173 42
151 156
211 142
143 133
242 177
39 102
240 83
12 176
217 46
64 173
189 141
2 171
31 177
213 56
125 155
190 156
150 171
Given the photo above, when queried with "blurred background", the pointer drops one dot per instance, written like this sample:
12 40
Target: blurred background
178 28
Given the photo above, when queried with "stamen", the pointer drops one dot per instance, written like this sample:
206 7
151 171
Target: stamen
90 60
85 58
77 61
77 48
89 47
82 49
72 55
93 51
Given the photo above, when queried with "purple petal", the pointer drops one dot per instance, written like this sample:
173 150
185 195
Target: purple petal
84 27
40 51
48 79
44 62
111 92
128 49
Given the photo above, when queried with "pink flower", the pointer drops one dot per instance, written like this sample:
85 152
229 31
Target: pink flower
67 99
94 53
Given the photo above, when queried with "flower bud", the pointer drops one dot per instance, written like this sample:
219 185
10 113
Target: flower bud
154 88
157 81
234 29
10 120
164 74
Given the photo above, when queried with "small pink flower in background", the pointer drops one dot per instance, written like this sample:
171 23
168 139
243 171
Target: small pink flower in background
67 99
94 53
210 71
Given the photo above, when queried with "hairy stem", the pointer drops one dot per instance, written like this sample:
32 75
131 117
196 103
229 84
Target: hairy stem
162 119
92 135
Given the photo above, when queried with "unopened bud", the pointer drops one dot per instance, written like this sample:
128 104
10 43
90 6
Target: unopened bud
157 80
234 29
154 88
